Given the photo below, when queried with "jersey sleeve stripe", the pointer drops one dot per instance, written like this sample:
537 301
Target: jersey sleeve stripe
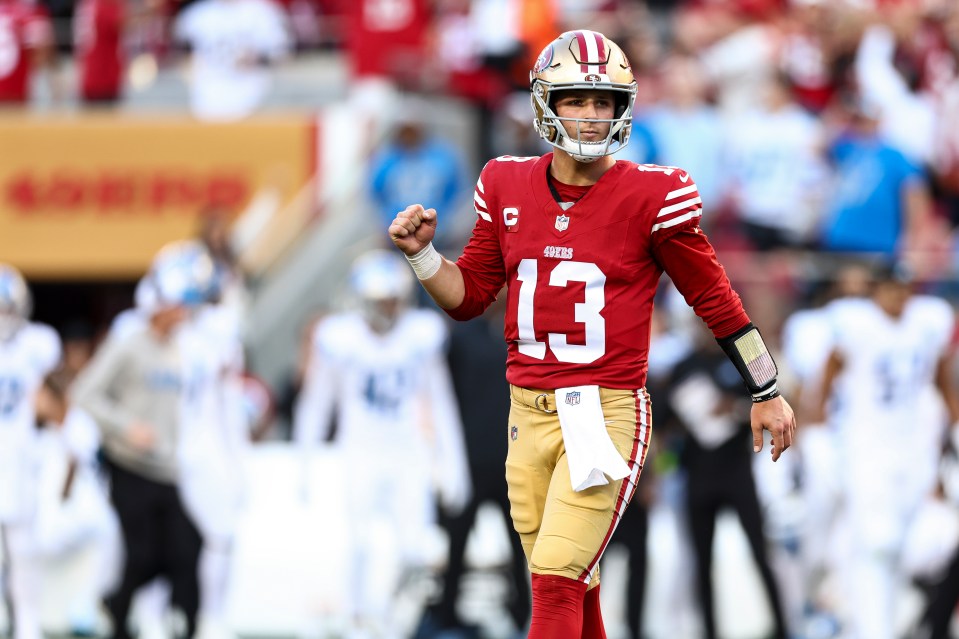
685 204
479 186
672 195
483 214
480 202
677 220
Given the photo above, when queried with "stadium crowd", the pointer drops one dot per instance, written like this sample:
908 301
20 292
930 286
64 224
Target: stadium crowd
824 140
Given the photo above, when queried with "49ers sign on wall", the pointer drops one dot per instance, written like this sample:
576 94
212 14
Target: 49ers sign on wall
96 196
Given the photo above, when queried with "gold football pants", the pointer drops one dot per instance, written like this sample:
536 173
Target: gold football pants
565 532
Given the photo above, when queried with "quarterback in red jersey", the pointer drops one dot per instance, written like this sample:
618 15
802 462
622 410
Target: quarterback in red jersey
581 240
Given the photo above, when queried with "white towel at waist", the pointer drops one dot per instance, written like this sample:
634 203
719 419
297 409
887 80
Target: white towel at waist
590 452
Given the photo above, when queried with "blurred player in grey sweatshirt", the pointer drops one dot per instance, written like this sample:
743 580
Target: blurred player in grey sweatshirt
135 389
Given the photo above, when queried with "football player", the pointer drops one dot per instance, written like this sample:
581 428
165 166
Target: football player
28 351
891 357
581 240
383 369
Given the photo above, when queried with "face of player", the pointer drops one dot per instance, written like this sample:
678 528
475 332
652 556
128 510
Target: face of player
583 112
168 319
892 297
381 314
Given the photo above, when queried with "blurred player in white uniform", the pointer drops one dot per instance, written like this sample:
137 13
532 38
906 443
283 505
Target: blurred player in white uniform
890 353
73 507
383 369
801 498
213 450
28 351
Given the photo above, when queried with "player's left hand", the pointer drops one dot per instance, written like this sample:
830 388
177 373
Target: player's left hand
776 416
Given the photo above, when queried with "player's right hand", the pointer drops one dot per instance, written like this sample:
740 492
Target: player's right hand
413 228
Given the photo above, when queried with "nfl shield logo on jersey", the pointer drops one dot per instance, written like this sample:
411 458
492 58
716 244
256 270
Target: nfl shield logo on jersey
562 222
513 433
572 398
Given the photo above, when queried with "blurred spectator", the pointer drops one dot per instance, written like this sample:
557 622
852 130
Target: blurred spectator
416 165
776 179
704 393
136 389
739 51
28 351
685 127
538 24
234 45
28 46
458 55
398 429
498 29
477 361
484 50
881 203
642 147
946 162
906 115
809 51
776 172
386 39
98 27
513 132
890 352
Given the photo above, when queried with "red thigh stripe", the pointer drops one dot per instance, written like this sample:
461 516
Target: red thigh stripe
640 441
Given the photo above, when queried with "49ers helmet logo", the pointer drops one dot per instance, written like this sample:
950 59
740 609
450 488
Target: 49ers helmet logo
544 59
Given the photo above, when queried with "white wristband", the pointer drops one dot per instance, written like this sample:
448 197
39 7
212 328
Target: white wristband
426 262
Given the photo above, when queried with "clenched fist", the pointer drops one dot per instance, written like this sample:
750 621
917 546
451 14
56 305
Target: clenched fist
413 228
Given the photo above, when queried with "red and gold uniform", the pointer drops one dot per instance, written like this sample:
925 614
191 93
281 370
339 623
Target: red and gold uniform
581 282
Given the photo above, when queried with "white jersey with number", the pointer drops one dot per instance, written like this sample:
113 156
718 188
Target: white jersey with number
400 440
889 363
391 392
214 435
889 417
24 361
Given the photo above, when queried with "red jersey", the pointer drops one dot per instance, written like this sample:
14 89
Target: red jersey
98 32
387 37
581 281
23 28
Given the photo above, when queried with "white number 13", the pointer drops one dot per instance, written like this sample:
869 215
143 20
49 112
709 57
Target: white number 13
585 312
